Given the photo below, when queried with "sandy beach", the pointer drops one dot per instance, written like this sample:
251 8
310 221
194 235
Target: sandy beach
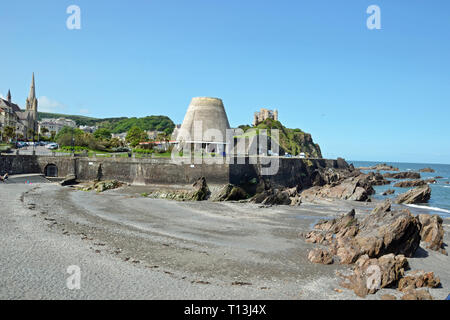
131 247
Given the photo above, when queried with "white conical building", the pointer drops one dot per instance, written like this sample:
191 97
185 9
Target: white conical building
205 124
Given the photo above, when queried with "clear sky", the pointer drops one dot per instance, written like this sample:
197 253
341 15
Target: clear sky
381 95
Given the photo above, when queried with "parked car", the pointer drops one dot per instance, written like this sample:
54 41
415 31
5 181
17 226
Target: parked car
52 146
302 155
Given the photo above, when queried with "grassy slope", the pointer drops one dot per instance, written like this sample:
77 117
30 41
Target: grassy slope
292 141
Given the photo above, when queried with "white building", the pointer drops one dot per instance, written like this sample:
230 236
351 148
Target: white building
55 125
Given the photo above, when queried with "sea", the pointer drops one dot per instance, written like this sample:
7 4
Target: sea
440 191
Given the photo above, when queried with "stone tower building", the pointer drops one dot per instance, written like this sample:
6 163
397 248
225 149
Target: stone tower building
264 114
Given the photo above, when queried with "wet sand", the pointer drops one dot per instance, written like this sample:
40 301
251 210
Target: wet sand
133 247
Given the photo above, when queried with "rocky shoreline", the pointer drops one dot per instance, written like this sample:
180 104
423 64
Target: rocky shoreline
383 239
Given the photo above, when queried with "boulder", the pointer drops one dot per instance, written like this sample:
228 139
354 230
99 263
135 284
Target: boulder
418 195
381 233
102 186
423 294
383 207
402 175
413 183
418 279
231 193
370 275
201 191
388 192
426 170
432 231
337 225
320 256
272 197
69 180
381 167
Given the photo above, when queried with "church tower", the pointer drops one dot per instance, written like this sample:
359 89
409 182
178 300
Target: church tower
32 105
9 96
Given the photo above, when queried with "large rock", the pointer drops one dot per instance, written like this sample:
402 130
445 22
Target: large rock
320 256
418 195
277 197
337 225
432 231
382 167
388 192
201 191
426 170
370 275
69 180
384 206
381 233
413 183
231 193
418 279
423 294
402 175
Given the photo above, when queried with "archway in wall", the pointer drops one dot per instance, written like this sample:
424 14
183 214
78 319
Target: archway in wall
51 170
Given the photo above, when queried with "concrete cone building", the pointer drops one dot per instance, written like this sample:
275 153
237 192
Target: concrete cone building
205 125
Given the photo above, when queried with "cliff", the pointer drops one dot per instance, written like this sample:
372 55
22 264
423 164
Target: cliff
292 141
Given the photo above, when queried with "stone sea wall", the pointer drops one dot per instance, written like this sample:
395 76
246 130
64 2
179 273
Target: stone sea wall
291 171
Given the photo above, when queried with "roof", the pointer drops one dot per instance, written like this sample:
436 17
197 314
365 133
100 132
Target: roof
6 103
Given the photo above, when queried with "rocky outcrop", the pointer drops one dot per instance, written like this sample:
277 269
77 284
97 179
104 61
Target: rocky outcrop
277 197
69 180
370 275
381 167
355 187
418 279
413 183
432 231
418 195
388 192
383 207
102 186
320 256
201 191
402 175
231 193
426 170
381 232
423 294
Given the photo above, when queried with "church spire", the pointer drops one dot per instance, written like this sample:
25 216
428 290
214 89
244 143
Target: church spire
8 96
31 100
32 95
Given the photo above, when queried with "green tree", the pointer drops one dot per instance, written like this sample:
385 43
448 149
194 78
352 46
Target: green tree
103 133
136 135
9 132
44 131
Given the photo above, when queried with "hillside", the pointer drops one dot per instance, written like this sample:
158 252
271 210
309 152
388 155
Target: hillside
293 141
118 125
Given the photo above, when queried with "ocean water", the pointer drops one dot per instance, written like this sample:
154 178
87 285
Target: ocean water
440 191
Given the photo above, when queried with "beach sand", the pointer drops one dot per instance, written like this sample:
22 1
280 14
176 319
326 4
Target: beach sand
131 247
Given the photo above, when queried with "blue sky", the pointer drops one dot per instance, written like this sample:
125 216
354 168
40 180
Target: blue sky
381 95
